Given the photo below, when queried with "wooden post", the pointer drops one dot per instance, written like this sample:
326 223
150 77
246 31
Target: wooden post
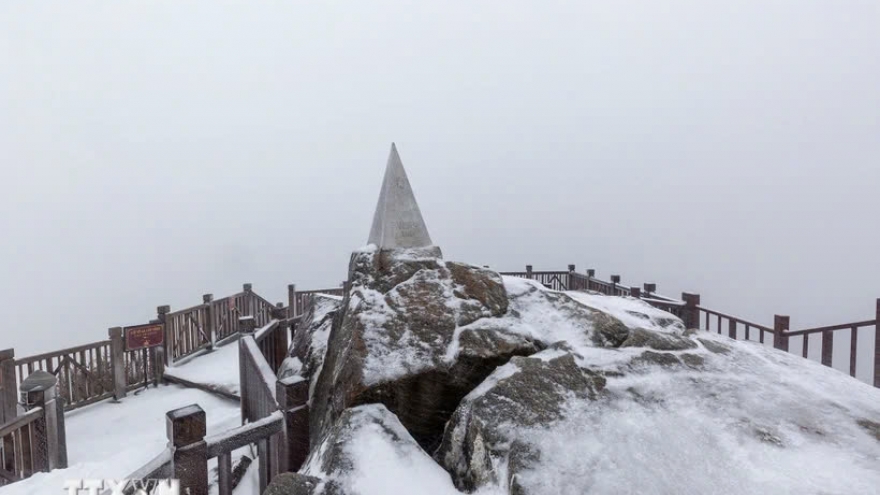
48 434
117 361
247 324
292 394
731 329
635 292
571 269
207 299
248 300
529 272
650 289
8 403
590 274
877 347
282 335
615 279
291 301
165 350
8 386
691 314
186 430
780 326
827 347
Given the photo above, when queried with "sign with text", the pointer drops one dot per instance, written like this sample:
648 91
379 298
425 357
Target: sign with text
143 336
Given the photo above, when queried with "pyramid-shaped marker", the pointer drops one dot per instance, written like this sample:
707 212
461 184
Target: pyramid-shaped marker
398 222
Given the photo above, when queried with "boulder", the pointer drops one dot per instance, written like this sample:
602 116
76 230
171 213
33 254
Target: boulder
368 450
480 443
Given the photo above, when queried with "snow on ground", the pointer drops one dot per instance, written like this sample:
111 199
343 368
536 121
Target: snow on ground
217 369
756 420
111 440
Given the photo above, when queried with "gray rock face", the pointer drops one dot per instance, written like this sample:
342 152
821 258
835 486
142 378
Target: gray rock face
526 392
309 343
299 484
391 343
398 221
658 341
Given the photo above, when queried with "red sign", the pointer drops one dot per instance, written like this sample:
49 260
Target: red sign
142 336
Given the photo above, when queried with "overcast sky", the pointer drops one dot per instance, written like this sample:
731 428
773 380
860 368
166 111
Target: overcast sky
155 151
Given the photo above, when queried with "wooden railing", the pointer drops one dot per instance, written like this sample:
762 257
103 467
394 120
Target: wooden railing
694 315
20 456
85 373
274 417
196 329
35 440
273 342
299 300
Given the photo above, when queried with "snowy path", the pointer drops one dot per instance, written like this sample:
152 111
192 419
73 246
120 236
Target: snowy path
108 440
217 370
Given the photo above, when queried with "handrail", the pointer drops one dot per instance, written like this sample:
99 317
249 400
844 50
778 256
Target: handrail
843 326
20 421
664 302
227 441
757 326
264 332
187 310
320 291
69 350
263 299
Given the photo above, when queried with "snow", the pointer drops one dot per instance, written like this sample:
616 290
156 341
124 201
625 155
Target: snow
382 466
216 369
633 312
268 375
111 440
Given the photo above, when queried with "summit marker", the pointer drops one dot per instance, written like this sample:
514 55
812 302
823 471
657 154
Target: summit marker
398 221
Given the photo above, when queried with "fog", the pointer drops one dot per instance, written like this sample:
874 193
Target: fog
152 152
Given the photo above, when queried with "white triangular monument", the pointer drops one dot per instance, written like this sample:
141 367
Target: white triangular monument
398 221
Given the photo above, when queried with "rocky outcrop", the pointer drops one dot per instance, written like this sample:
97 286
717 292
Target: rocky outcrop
480 444
393 342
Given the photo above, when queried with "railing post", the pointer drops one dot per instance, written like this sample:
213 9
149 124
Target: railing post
877 347
282 335
615 279
650 289
571 269
780 326
247 324
590 274
635 292
186 430
207 299
117 362
691 314
8 386
248 289
529 272
165 351
292 394
291 301
50 445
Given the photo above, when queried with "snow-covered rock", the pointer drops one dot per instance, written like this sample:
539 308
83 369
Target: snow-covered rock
309 343
433 385
481 440
401 339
